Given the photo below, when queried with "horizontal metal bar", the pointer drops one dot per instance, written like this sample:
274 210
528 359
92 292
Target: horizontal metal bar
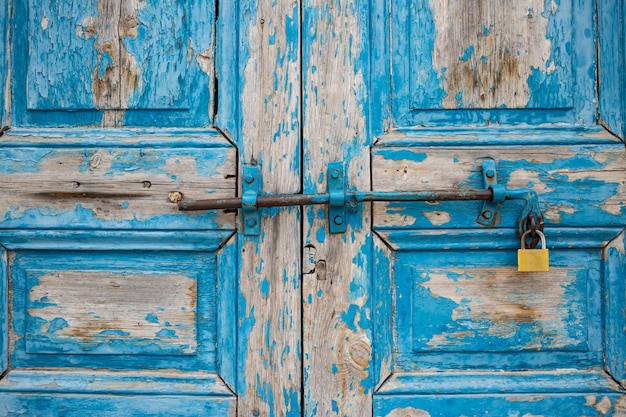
323 198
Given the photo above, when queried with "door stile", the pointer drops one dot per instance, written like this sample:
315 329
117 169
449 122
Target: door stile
4 64
337 318
269 310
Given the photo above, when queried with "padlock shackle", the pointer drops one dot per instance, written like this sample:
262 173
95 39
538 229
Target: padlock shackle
541 235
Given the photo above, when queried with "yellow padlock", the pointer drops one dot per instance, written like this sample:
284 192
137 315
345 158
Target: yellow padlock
533 260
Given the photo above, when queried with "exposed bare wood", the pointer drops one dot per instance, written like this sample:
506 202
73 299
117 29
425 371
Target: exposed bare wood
87 308
270 370
114 183
337 330
487 50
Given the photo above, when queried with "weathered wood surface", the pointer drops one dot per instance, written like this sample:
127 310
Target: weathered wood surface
90 62
612 61
514 404
99 311
337 321
4 62
133 310
498 61
497 309
615 338
115 179
579 179
270 350
484 54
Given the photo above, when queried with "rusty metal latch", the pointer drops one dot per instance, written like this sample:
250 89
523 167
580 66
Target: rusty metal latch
340 200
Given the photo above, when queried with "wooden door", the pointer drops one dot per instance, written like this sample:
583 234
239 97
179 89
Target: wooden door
115 302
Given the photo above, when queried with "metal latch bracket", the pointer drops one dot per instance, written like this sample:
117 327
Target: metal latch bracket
489 212
250 218
337 198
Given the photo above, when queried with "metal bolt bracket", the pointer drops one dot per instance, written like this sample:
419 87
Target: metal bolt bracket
337 198
489 212
250 218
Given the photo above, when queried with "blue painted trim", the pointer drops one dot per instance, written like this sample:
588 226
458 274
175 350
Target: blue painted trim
400 20
531 404
227 268
111 406
227 70
84 240
380 77
153 138
497 136
4 59
467 383
4 311
612 57
615 322
383 318
194 27
104 382
455 239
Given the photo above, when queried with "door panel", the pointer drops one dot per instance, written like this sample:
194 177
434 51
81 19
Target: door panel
500 62
113 179
451 303
269 287
114 301
110 293
336 285
147 63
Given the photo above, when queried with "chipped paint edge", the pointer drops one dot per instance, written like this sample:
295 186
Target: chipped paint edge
382 302
4 64
227 312
559 238
615 302
612 61
4 311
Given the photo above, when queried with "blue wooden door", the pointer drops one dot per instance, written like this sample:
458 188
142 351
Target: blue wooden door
111 298
531 87
114 302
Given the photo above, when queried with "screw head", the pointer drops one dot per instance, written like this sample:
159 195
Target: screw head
338 220
334 174
249 179
251 223
490 173
487 214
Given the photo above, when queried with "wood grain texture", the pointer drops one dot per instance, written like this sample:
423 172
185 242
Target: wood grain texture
498 309
73 183
4 63
270 352
99 308
578 184
492 62
88 62
612 61
119 310
337 306
485 53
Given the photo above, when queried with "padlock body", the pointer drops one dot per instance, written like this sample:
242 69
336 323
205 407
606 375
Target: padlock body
533 260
